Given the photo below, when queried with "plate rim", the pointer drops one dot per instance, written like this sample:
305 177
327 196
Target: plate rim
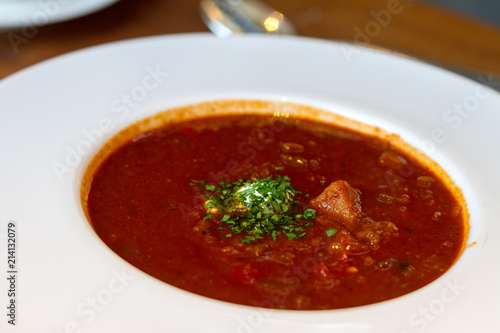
76 54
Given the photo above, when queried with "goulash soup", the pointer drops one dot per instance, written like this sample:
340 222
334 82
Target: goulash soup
274 205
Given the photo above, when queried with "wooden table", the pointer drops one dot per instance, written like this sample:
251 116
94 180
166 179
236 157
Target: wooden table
411 27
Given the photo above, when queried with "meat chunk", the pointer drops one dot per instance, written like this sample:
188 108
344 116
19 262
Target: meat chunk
339 201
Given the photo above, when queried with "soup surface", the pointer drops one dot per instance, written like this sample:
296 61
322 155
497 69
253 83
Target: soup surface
276 212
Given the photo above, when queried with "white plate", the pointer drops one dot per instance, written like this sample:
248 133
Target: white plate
35 13
57 114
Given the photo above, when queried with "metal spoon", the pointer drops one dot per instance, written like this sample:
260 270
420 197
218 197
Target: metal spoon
227 17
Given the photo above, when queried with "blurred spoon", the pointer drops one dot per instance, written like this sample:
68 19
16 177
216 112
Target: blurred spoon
227 17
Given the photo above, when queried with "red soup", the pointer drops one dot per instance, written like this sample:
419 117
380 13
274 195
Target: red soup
278 211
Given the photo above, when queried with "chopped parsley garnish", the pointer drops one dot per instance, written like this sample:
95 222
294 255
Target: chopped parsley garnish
331 232
210 187
257 208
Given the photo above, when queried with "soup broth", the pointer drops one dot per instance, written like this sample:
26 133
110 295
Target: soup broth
275 209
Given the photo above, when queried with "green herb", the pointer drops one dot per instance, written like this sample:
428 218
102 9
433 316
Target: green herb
331 232
322 182
258 207
309 214
279 168
210 187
